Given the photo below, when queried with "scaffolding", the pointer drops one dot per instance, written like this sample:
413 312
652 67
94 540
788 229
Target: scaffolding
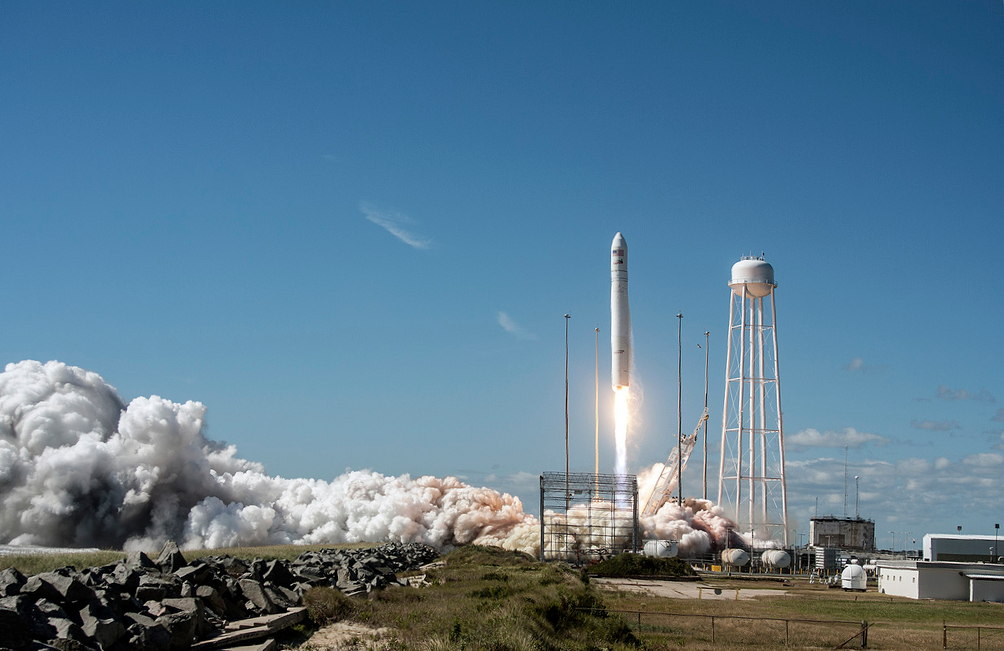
586 516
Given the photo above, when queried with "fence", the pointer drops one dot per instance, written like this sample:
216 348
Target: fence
736 629
972 637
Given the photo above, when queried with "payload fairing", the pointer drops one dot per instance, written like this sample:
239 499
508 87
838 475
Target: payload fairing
620 315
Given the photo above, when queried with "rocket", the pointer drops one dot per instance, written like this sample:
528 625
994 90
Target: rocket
620 315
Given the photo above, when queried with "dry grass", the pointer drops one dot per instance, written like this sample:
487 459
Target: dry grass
896 623
34 563
489 599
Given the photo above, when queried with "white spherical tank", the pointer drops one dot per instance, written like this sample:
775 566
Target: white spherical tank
755 274
775 559
735 557
854 577
661 548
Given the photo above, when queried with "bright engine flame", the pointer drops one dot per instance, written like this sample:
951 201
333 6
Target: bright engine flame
621 415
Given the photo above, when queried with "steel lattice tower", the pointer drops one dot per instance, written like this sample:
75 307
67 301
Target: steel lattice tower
751 482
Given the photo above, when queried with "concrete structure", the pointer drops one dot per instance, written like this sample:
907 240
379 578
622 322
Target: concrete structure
751 482
854 534
962 548
942 580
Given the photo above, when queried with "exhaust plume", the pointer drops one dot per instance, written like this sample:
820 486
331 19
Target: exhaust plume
79 467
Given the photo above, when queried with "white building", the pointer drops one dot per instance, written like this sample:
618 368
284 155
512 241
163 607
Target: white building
961 548
942 580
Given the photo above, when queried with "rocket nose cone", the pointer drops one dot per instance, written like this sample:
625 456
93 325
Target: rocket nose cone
618 240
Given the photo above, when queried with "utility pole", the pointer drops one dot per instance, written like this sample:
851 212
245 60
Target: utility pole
679 408
567 496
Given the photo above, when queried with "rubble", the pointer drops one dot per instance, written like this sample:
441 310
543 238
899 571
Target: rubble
171 604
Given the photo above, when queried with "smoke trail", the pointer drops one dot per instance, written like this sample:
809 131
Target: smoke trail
78 467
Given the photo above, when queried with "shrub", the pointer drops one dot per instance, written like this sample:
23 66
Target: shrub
325 605
638 565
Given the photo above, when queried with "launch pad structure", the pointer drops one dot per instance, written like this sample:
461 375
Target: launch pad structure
586 516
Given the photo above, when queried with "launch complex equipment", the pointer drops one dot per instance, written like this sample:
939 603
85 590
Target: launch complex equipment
595 518
662 492
751 480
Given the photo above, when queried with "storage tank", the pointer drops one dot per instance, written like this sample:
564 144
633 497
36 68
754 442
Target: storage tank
661 548
854 577
754 274
735 557
775 559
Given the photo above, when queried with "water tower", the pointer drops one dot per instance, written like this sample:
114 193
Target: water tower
751 481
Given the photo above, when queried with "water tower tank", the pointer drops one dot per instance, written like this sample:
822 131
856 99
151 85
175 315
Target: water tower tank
755 274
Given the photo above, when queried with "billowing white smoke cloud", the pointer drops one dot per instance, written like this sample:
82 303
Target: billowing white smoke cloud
80 468
700 525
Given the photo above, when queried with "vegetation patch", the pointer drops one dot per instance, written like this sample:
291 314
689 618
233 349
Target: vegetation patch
626 565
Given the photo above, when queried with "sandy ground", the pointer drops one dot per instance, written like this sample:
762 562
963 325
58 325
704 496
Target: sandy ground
345 635
685 589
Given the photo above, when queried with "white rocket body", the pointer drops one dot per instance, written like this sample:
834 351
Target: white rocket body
620 315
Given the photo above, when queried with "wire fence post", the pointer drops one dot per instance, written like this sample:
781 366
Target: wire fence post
944 634
864 634
712 629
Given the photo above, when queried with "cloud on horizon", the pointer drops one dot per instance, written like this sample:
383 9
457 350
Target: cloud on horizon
509 325
848 438
394 223
945 393
936 425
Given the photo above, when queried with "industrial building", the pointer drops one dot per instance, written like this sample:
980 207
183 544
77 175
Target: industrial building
852 534
962 548
941 580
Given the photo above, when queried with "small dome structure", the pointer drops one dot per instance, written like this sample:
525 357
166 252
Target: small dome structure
854 577
755 274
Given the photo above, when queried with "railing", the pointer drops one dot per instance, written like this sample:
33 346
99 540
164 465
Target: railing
827 637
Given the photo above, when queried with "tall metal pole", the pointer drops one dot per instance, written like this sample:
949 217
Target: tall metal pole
596 415
567 496
706 350
857 513
679 409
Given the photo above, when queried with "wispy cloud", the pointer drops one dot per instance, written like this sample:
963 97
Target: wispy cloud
935 425
858 365
394 223
848 438
513 328
999 416
982 395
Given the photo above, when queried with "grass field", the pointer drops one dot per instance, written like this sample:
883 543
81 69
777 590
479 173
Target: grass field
895 622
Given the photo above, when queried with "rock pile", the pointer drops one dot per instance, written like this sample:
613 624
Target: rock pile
169 603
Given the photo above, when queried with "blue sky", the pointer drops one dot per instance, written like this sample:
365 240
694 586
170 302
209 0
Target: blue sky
352 229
